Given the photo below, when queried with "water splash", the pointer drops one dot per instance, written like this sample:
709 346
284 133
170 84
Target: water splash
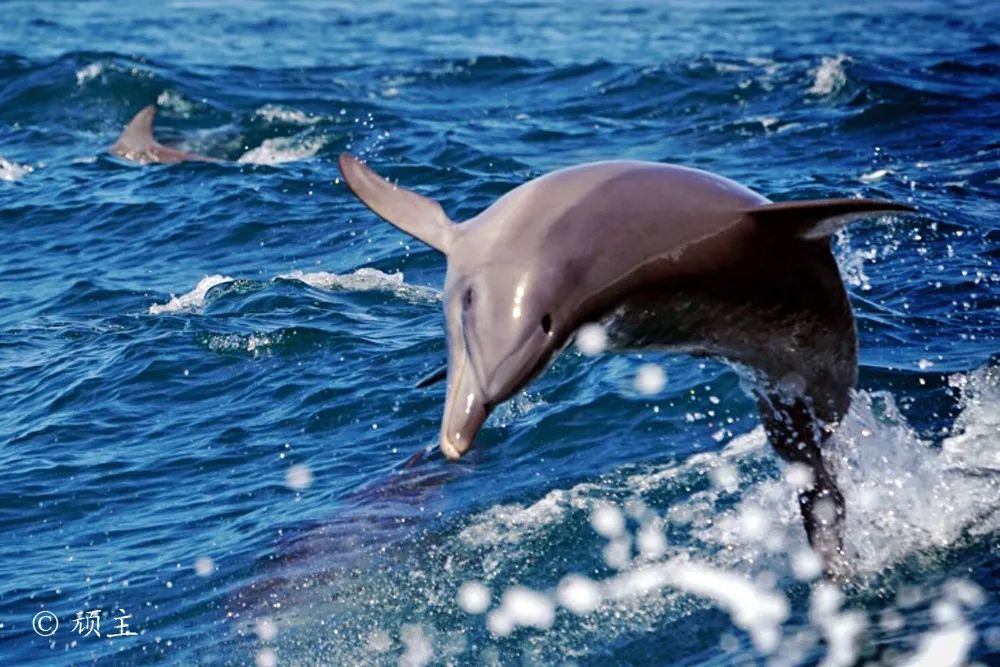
191 301
283 149
89 73
363 279
829 77
12 171
274 112
729 535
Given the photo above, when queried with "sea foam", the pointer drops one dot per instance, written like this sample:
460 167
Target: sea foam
363 279
12 171
283 149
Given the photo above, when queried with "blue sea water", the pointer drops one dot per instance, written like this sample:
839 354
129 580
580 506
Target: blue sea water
206 370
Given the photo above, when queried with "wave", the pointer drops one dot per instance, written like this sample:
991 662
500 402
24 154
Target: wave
191 301
829 76
611 559
89 73
283 149
363 279
907 500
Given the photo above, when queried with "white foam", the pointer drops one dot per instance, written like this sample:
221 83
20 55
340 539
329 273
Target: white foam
509 524
608 520
204 566
650 539
976 433
806 564
757 609
618 552
944 647
904 496
829 76
12 171
299 477
473 597
947 644
841 629
873 176
379 641
726 477
283 149
89 73
514 409
768 121
274 112
418 650
364 279
265 629
581 595
266 657
852 261
193 300
175 102
650 379
257 343
591 339
524 607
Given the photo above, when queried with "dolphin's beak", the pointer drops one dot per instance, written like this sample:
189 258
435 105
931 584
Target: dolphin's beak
464 409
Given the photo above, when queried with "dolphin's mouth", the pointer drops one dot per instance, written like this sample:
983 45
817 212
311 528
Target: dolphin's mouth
464 412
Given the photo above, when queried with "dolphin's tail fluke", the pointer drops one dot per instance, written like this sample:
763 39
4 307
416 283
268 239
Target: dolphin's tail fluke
137 143
813 219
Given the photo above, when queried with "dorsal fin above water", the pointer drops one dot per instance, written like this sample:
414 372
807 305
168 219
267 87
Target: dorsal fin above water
813 219
137 143
137 136
414 214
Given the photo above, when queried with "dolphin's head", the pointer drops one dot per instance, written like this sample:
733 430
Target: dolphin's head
503 327
502 316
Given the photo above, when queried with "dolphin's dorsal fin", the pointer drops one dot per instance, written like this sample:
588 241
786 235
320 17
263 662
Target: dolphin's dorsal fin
415 214
813 219
137 136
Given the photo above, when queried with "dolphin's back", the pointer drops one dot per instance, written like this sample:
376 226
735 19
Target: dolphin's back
783 314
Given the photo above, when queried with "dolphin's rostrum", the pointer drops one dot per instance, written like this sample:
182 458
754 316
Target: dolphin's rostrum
667 257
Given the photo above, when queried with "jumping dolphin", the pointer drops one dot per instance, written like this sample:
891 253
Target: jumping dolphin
667 257
137 143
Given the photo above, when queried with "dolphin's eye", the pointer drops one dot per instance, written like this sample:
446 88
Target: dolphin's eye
467 299
547 323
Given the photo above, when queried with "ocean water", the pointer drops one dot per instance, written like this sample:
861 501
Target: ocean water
207 370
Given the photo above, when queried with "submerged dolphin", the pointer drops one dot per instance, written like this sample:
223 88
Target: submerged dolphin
137 143
668 257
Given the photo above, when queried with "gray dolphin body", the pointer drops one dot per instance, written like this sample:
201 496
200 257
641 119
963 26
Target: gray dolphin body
137 143
668 257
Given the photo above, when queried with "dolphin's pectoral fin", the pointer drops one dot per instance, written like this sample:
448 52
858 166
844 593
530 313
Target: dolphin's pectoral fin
797 434
819 218
414 214
433 377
